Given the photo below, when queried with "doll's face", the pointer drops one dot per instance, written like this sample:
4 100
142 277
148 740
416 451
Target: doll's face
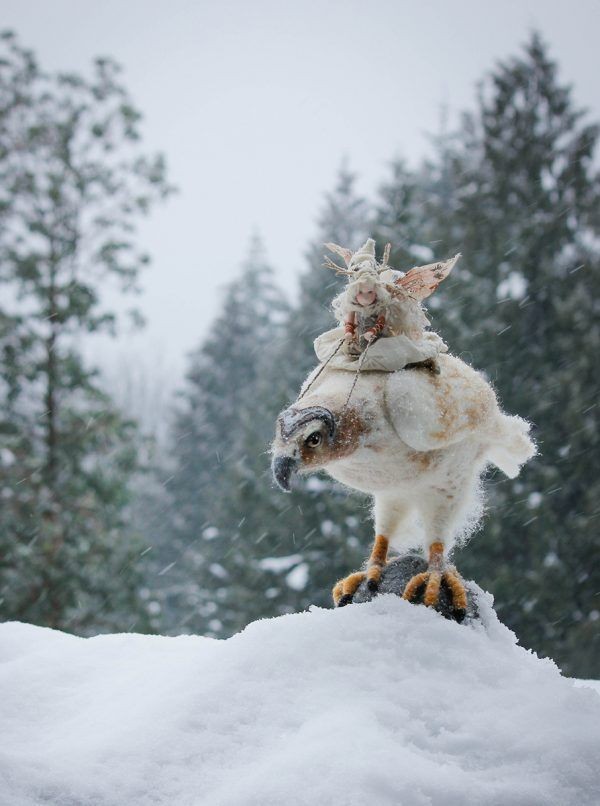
366 294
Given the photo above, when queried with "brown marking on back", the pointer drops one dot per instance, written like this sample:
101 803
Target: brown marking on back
472 411
447 414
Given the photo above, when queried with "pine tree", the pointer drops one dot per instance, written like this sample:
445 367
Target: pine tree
220 435
307 540
72 182
525 212
399 219
246 550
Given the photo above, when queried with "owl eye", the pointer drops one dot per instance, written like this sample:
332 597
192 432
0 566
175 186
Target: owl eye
314 440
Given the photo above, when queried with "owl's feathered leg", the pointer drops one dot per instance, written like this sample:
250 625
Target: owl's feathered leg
377 561
390 513
429 582
345 589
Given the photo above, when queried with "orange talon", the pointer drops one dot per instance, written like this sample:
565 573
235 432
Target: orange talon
432 591
338 591
433 578
413 585
457 589
351 583
345 589
374 575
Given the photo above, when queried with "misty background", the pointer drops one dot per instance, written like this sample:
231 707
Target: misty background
233 141
256 105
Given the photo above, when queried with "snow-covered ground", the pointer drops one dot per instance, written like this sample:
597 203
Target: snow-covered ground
380 703
595 684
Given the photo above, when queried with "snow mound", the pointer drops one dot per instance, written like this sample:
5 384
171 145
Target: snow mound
380 703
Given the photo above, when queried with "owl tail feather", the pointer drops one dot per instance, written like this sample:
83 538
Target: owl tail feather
512 445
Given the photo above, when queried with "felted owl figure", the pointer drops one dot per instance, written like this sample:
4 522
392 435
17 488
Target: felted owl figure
379 303
417 442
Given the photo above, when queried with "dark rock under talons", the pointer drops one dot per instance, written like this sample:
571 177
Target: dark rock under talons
396 575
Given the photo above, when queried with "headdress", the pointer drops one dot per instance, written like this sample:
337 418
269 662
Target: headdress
418 283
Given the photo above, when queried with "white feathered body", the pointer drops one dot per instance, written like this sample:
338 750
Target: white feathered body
424 442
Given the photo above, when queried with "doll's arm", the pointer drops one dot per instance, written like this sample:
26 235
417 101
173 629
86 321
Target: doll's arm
350 326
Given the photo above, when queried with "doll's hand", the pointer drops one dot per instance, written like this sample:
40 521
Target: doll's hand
349 337
369 336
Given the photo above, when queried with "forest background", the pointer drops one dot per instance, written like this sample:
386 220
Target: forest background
156 513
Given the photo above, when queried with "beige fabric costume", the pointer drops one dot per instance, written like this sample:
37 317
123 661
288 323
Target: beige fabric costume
387 354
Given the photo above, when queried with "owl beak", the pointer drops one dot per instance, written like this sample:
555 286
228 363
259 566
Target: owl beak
283 468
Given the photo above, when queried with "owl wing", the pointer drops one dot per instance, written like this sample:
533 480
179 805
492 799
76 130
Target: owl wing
422 281
429 412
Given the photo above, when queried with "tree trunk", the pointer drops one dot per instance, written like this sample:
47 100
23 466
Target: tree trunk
51 384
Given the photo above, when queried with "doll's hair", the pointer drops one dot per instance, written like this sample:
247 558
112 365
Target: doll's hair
346 300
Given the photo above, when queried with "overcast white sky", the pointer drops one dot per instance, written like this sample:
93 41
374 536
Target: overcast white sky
256 102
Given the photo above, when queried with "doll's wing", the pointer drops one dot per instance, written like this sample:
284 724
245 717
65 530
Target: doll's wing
422 281
345 254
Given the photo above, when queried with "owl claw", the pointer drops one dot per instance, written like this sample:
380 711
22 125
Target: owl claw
344 590
427 585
